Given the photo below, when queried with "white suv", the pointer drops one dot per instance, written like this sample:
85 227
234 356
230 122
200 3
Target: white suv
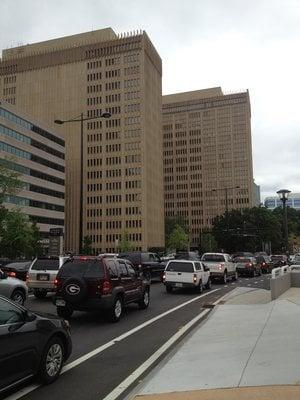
186 274
42 274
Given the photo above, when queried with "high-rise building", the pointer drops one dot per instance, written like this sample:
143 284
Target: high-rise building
256 195
92 73
207 156
37 153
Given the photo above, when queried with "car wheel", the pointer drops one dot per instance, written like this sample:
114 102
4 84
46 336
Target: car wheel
52 361
199 288
225 277
40 293
208 285
169 289
235 276
18 296
252 274
64 312
147 275
259 272
144 302
116 311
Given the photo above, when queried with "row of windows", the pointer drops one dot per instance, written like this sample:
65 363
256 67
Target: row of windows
94 225
135 223
94 77
132 120
112 135
131 58
45 220
92 101
93 187
133 211
94 174
94 149
113 173
113 160
113 98
113 73
22 122
131 83
94 212
131 197
113 198
133 184
132 146
132 133
46 191
94 64
133 158
94 125
113 85
94 88
10 79
114 110
113 185
132 171
22 201
113 224
8 91
94 137
135 69
94 162
113 147
112 123
132 95
132 108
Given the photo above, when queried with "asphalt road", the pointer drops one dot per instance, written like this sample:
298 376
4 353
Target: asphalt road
121 347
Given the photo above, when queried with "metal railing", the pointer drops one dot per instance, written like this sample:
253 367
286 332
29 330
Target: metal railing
279 271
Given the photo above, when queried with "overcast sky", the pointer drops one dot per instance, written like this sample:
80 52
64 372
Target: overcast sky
235 44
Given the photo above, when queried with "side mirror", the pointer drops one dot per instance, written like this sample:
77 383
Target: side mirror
29 317
205 267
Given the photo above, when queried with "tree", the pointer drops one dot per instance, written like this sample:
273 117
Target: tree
9 179
247 229
87 245
207 242
178 239
125 243
170 224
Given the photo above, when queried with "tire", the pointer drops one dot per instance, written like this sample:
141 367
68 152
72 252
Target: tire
64 312
18 296
40 293
147 276
259 272
208 285
115 313
252 274
52 361
144 302
199 288
235 276
169 289
225 277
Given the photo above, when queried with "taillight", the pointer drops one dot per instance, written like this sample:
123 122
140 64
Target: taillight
195 278
106 288
248 265
164 277
12 274
56 282
263 263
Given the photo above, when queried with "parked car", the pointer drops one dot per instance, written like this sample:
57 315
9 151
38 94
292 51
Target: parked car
221 266
265 263
42 274
247 266
150 263
31 345
13 288
99 283
186 274
17 269
295 260
187 255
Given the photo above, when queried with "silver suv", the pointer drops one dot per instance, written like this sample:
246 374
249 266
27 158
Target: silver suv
42 274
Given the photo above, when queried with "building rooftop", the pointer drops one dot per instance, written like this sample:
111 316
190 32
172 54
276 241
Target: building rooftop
193 95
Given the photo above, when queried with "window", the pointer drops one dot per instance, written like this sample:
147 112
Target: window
198 266
180 267
9 313
130 269
123 269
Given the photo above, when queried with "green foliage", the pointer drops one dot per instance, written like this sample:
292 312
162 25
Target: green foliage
178 239
19 237
125 244
87 245
208 242
9 180
170 224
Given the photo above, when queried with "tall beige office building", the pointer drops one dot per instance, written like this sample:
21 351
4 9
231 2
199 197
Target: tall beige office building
92 73
207 155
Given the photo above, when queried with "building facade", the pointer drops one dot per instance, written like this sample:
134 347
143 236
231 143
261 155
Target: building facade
92 73
207 156
256 195
38 154
293 201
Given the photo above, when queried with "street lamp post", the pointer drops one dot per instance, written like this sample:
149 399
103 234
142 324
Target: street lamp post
283 195
226 202
81 120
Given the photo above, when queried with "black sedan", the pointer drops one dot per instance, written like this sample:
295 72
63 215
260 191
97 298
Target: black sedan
31 345
17 269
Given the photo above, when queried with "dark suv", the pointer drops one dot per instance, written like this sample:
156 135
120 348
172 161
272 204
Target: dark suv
99 283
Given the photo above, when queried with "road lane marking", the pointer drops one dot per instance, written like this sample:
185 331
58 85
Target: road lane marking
126 383
255 282
112 342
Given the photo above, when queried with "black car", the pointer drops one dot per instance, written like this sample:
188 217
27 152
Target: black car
87 283
17 269
150 263
31 345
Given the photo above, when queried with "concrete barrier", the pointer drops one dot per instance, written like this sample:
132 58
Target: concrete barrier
280 284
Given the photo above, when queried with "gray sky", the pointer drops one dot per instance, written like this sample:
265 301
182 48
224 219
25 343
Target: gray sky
235 44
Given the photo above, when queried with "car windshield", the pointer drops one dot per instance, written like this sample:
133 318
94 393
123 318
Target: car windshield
46 264
82 267
213 257
180 267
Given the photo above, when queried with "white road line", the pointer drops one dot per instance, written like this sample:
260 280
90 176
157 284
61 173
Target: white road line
255 282
151 360
105 346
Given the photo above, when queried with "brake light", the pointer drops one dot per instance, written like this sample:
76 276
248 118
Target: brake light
164 277
56 282
195 278
248 265
83 258
106 287
263 263
12 274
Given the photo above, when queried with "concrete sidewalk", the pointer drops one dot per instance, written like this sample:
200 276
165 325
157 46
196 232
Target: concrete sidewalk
247 342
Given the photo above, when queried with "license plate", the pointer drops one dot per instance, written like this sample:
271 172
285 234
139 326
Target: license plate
42 277
60 302
178 284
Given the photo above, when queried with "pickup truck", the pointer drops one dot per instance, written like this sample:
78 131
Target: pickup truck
186 274
150 263
220 265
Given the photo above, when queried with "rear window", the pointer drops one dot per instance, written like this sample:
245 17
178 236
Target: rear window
87 268
49 264
242 260
213 257
18 265
180 267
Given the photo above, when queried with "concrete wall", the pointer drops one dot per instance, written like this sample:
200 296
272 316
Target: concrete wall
282 283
